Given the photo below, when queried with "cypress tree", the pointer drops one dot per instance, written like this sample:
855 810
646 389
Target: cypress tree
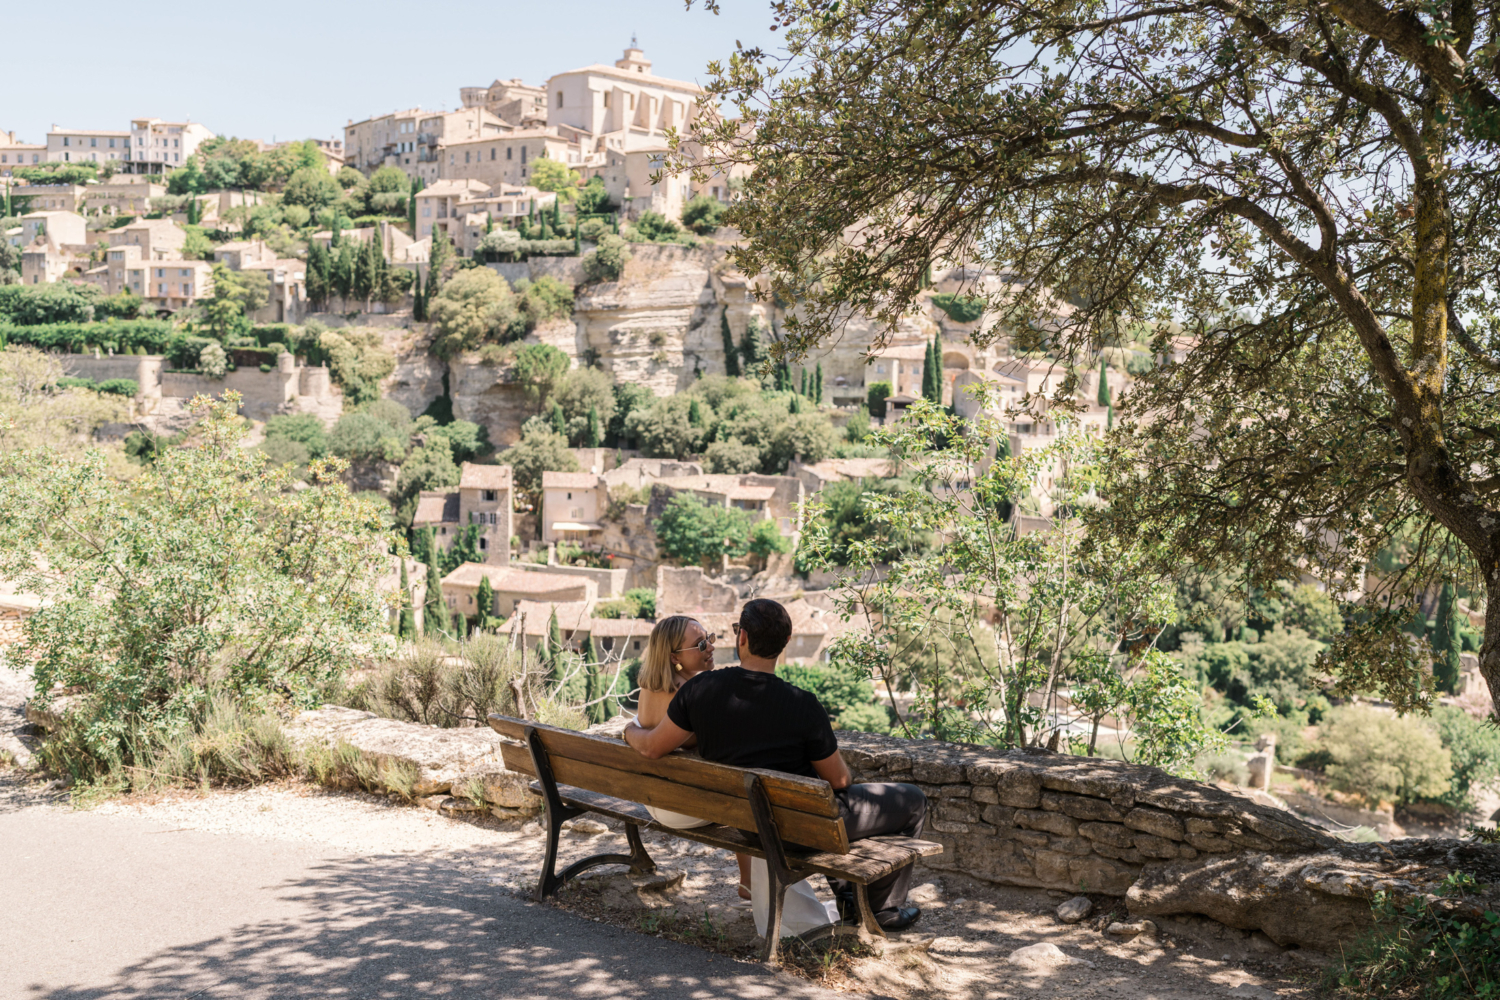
937 369
596 431
418 303
695 413
1104 399
554 648
459 625
406 624
1109 418
927 373
559 422
803 390
1446 642
486 601
435 612
818 385
731 354
599 705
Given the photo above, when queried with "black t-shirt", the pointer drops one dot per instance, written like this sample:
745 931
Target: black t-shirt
753 719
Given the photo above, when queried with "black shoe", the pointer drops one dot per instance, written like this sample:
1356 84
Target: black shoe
898 920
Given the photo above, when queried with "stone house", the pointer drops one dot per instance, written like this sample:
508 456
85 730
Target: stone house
159 147
573 621
14 153
572 505
287 278
54 197
900 365
619 638
774 497
159 239
65 145
413 139
484 497
509 158
59 227
833 470
512 586
124 194
627 96
513 101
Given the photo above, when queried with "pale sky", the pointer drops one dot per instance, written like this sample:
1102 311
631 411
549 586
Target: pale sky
302 70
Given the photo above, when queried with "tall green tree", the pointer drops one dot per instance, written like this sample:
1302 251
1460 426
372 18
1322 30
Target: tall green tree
435 611
699 533
1447 641
596 429
598 705
407 624
1104 397
818 384
1308 187
556 662
928 372
485 599
731 353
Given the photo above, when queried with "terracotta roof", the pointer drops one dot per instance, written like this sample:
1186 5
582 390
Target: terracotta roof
484 477
903 352
620 627
851 468
572 616
721 483
506 580
436 508
569 480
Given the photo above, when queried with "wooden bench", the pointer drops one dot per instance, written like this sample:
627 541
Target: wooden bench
791 821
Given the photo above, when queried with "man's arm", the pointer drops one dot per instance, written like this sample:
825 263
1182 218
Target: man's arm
834 771
658 742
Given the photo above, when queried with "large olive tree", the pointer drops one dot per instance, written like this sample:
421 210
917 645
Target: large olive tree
1305 192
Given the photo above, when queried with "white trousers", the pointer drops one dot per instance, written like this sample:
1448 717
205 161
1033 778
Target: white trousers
803 910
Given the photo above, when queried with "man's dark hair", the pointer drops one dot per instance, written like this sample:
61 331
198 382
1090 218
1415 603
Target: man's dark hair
768 626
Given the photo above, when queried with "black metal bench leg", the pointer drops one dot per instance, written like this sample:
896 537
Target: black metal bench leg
781 877
640 861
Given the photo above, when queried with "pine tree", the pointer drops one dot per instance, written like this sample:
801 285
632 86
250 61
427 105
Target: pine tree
818 385
435 612
558 421
554 648
1104 399
927 373
596 430
336 236
438 258
753 351
1446 642
695 413
411 205
486 601
731 353
794 404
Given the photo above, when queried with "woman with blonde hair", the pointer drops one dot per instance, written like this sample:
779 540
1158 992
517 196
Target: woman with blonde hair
679 648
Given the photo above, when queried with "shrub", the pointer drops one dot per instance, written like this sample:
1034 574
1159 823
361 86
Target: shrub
120 336
443 685
645 599
703 214
875 398
960 308
120 387
68 382
608 261
593 230
206 573
1384 758
1474 746
846 695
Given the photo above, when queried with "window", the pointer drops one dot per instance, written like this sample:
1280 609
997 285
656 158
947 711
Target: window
66 140
466 156
161 290
484 545
426 211
559 98
65 157
570 496
161 272
184 272
523 154
508 151
93 141
111 144
492 152
489 495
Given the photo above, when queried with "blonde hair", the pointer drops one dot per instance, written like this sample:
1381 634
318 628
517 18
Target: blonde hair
666 638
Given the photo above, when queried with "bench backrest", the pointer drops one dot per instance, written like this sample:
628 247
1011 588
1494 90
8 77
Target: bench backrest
805 810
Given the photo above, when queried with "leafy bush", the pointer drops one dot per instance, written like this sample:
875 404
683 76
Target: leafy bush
437 685
379 431
205 574
703 215
693 532
960 308
68 382
120 387
120 336
845 693
1419 949
608 261
1384 758
1474 747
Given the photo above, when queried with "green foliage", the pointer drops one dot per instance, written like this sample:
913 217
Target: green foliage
593 199
302 428
1419 947
539 368
377 432
731 353
57 173
850 527
538 451
1447 641
607 261
551 175
1473 747
703 215
357 361
645 599
767 540
629 397
312 188
876 395
960 308
467 440
207 572
693 532
60 302
846 694
1384 758
476 306
428 467
127 387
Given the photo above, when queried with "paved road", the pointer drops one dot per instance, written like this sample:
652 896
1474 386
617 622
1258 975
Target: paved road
98 906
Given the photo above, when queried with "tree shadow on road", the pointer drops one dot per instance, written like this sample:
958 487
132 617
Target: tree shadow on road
396 927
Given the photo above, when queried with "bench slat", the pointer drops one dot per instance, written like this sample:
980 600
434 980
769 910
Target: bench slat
795 827
866 861
789 791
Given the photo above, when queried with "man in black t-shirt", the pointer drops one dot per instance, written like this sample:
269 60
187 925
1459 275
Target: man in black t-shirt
749 717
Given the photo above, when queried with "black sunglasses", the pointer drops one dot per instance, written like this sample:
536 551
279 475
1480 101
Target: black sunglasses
701 645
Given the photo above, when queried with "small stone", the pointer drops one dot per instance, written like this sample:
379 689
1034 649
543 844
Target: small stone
1075 909
586 827
1044 955
1136 928
433 802
1057 894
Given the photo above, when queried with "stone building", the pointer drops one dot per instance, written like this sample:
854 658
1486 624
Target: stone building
572 504
512 587
485 498
513 101
412 139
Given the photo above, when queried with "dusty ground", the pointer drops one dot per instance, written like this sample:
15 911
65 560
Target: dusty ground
957 951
